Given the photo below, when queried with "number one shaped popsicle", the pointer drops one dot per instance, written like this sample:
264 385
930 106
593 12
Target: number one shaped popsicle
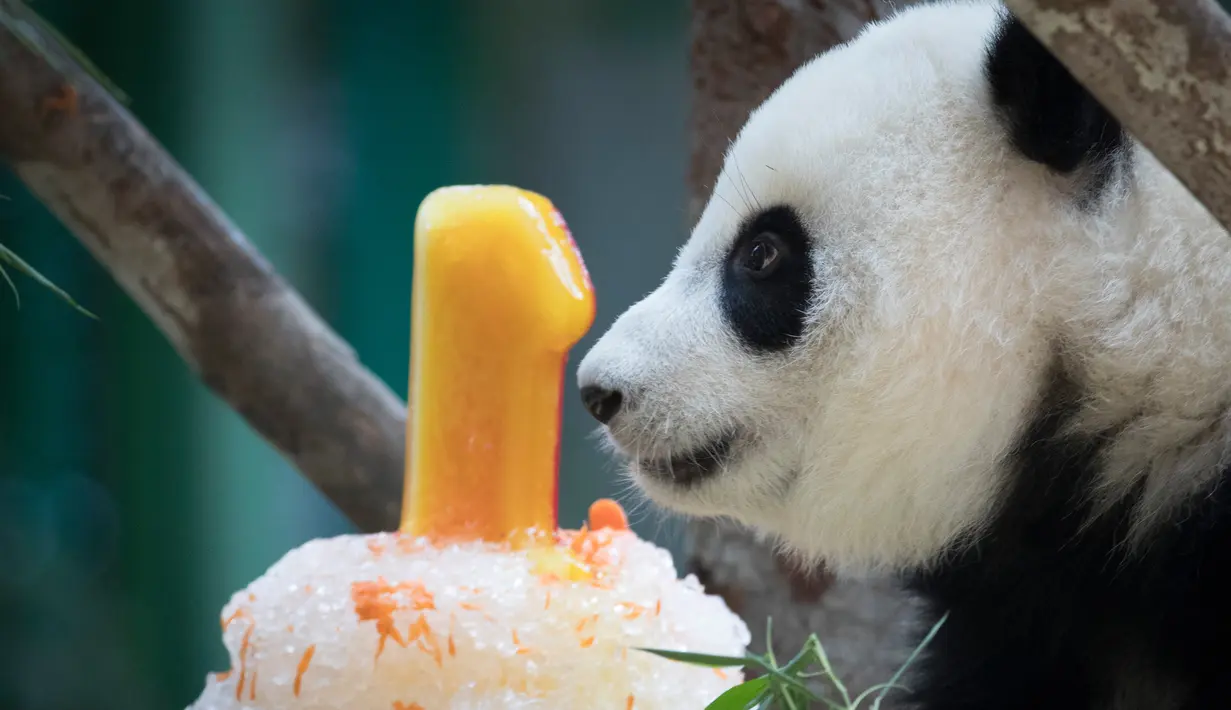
500 295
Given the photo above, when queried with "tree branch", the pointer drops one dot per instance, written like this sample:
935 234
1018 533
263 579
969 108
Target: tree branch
1163 67
245 332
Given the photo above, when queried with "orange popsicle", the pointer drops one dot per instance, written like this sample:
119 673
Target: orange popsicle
500 294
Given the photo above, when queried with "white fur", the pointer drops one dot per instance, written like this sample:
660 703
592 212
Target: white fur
948 266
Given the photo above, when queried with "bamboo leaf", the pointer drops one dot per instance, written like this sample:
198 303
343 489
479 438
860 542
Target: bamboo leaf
699 659
741 697
7 255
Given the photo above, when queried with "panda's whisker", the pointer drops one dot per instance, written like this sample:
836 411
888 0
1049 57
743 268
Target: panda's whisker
737 187
743 179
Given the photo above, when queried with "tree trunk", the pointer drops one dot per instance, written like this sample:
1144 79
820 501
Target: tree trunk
1161 67
741 51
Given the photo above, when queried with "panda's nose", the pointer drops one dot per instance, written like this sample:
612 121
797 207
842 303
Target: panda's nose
602 404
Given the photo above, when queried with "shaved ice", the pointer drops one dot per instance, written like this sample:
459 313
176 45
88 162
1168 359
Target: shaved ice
390 622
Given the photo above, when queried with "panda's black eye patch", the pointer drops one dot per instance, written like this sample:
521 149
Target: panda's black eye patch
767 280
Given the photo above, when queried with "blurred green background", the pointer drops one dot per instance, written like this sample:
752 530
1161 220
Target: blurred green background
132 502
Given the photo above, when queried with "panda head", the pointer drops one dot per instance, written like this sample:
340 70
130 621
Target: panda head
866 315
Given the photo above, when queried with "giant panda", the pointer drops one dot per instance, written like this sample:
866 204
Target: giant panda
942 318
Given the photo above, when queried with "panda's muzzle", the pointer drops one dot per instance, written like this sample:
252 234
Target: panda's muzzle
691 468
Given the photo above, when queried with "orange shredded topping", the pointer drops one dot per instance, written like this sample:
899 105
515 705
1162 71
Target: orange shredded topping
240 612
421 633
719 672
223 675
658 608
516 641
605 513
588 620
303 667
587 642
634 610
588 547
243 661
375 547
419 628
290 628
430 646
580 540
409 543
375 601
470 606
628 705
404 706
252 688
547 601
452 624
307 588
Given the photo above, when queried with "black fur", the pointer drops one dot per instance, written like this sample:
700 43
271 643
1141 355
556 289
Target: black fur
1044 615
768 314
1051 118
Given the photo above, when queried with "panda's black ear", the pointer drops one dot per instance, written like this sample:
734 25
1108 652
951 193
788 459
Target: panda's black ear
1052 119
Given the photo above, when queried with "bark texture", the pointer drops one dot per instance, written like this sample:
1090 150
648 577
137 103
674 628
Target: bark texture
1163 67
245 332
741 52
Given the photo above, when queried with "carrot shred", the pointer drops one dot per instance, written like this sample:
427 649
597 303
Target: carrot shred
579 542
238 613
243 661
376 601
303 667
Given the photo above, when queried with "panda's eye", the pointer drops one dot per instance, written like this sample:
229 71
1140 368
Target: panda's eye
761 255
